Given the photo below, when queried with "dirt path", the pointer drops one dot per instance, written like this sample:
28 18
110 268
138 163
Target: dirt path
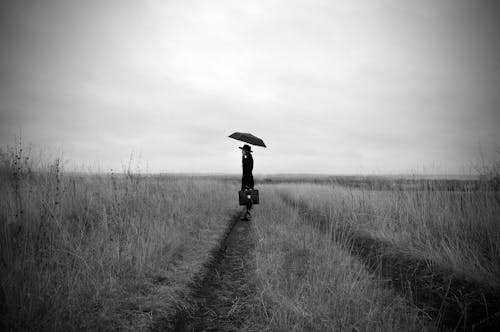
223 299
454 303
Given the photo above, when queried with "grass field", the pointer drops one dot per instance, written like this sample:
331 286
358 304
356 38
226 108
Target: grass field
102 252
457 230
120 251
309 283
319 247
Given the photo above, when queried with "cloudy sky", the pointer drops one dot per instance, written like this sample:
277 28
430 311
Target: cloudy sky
351 86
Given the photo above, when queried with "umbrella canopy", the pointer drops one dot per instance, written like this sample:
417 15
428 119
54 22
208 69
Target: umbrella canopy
248 138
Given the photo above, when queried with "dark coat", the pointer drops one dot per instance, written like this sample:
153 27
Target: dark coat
247 179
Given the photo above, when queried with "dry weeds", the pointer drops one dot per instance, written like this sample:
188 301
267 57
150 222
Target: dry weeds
101 252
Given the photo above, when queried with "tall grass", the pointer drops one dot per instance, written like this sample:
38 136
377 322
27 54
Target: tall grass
306 282
101 252
459 230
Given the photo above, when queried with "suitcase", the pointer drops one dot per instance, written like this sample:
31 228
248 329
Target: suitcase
248 196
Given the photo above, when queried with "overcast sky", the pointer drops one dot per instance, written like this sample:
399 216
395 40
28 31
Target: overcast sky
385 86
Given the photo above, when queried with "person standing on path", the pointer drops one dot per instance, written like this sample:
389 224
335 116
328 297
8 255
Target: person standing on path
247 179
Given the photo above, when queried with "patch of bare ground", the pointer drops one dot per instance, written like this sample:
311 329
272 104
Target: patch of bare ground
452 301
222 295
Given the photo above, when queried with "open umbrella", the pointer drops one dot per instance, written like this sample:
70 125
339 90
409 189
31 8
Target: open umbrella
248 138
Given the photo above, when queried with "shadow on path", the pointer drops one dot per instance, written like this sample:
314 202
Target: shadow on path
453 302
221 299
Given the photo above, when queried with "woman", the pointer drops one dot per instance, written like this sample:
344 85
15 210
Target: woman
247 179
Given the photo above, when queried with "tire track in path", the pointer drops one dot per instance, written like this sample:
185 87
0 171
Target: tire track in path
223 299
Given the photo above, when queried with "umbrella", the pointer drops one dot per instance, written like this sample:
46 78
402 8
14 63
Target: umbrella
248 138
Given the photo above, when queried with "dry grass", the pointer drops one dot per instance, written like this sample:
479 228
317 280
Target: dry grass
101 252
116 252
458 230
309 280
309 283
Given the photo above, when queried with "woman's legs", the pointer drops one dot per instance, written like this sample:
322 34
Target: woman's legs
247 215
249 207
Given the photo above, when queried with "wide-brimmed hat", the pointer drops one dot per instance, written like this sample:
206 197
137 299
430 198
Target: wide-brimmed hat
246 147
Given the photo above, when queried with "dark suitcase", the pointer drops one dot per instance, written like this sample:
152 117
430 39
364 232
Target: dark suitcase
248 196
